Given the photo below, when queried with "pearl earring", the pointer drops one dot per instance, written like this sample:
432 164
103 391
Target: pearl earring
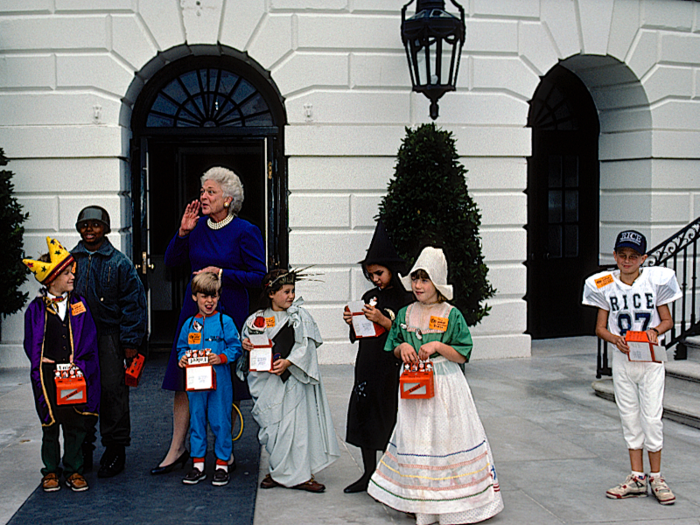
227 204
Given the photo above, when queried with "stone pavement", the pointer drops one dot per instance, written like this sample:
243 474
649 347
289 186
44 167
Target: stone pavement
557 448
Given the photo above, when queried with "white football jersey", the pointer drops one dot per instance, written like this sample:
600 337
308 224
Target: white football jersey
632 307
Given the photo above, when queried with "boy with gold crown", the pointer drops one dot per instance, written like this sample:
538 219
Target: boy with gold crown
58 329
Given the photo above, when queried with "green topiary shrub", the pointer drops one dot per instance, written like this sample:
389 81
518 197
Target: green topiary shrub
14 272
427 204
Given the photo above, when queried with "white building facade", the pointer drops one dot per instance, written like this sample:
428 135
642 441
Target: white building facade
123 103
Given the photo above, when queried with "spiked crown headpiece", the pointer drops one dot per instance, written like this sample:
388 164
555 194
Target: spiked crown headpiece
290 277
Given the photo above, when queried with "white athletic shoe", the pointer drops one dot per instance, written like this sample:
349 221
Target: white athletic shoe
660 489
632 487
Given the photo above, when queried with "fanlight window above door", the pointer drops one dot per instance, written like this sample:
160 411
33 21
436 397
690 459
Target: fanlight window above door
552 110
208 98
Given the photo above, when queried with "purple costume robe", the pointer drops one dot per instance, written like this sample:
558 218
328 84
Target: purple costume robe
83 348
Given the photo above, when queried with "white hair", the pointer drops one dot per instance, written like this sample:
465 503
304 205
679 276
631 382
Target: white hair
230 185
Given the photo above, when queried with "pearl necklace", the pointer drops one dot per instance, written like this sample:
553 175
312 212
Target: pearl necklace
218 225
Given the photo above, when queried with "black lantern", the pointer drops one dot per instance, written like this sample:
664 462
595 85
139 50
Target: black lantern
433 39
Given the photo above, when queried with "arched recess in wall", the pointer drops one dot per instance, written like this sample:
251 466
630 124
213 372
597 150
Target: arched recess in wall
590 122
625 142
189 109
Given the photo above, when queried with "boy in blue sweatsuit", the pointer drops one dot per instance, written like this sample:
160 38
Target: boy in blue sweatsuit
213 331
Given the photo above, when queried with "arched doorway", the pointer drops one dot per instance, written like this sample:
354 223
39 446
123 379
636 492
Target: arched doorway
563 205
195 113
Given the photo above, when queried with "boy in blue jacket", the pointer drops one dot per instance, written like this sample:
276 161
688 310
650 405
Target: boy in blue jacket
213 331
106 278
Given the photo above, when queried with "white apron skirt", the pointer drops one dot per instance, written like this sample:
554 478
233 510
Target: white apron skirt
438 463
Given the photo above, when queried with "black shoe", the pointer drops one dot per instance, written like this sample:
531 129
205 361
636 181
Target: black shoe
359 486
194 476
220 478
112 462
169 468
109 454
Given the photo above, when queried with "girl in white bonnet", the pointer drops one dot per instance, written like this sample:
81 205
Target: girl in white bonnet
438 464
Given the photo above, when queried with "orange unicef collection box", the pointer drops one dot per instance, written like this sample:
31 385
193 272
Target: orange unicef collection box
199 374
134 371
71 388
641 349
200 377
417 382
71 391
636 337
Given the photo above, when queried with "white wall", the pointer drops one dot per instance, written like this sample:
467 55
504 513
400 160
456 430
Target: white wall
66 66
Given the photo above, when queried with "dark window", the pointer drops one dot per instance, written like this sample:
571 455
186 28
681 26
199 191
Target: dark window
551 110
563 197
208 98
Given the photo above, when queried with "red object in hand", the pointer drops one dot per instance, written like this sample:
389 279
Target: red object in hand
71 391
259 322
133 372
418 383
637 337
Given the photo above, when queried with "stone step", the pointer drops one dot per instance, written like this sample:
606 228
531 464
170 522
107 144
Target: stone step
693 343
688 370
681 397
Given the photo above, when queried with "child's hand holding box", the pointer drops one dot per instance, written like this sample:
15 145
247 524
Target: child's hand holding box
641 349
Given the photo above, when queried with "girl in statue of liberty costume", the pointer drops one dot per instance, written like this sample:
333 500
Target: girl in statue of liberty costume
290 402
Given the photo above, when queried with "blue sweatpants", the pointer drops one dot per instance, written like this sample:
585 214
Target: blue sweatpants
213 406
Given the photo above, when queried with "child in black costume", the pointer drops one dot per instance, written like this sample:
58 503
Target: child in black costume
374 398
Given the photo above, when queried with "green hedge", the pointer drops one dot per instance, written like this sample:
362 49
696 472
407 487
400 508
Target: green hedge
13 273
427 204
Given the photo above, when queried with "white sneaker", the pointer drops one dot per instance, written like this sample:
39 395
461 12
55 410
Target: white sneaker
660 489
632 487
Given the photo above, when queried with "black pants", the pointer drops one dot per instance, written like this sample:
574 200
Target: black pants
115 421
73 426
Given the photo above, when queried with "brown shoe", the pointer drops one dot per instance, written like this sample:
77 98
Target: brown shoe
50 482
77 483
310 486
268 483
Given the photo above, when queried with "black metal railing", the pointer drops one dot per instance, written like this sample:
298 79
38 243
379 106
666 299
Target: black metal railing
680 253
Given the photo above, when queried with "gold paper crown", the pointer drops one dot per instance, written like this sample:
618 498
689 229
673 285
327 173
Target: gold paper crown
45 272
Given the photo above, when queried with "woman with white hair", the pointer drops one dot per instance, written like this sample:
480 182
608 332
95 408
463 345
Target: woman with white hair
219 242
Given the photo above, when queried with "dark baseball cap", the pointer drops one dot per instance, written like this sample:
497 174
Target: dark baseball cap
631 239
94 213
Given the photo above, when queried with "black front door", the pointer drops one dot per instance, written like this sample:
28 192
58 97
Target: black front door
216 108
563 203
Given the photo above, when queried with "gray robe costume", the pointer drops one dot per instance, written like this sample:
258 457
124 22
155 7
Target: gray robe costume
294 416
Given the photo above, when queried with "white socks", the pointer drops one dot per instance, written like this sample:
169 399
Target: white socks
642 476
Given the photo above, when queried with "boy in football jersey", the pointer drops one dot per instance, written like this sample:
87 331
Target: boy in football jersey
635 298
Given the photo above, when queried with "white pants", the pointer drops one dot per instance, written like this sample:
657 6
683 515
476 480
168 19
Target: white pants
639 394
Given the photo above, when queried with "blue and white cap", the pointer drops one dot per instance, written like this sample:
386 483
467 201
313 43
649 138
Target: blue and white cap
631 239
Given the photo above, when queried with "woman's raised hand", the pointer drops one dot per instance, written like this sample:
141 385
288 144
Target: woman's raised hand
189 218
